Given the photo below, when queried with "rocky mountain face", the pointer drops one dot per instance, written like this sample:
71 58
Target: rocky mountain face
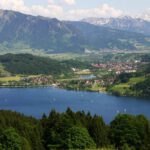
122 23
20 31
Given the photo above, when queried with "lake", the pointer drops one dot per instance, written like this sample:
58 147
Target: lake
87 77
36 101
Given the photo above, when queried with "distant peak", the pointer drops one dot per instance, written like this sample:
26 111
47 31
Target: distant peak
109 18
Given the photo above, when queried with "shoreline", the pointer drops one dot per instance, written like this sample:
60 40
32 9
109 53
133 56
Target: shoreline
96 91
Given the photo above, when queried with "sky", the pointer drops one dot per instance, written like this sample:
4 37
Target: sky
79 9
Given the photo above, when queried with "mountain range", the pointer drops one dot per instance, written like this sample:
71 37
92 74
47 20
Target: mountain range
125 23
20 31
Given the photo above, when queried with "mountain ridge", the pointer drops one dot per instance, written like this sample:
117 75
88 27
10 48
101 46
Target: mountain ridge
126 23
21 31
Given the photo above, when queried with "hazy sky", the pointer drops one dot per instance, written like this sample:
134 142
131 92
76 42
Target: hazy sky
78 9
126 5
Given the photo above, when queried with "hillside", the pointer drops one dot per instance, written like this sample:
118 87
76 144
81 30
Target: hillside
24 31
20 32
132 84
107 38
28 64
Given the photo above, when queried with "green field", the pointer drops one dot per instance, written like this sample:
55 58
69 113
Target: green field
10 78
124 88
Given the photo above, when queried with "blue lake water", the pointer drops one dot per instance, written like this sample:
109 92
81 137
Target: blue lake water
91 76
36 101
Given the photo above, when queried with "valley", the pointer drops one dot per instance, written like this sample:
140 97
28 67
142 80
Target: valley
119 75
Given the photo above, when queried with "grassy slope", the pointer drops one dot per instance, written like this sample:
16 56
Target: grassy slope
10 78
124 88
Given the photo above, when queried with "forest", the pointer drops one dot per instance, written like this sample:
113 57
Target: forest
73 130
28 64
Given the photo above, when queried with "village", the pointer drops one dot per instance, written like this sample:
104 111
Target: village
96 77
118 67
112 70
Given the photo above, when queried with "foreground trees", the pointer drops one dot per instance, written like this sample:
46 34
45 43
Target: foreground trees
27 128
71 130
78 138
10 139
132 131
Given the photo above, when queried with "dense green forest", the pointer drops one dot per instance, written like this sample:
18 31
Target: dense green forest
29 64
143 88
72 130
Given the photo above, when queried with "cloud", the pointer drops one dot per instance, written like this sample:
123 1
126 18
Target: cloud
17 5
102 11
54 9
51 10
69 2
50 1
145 15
